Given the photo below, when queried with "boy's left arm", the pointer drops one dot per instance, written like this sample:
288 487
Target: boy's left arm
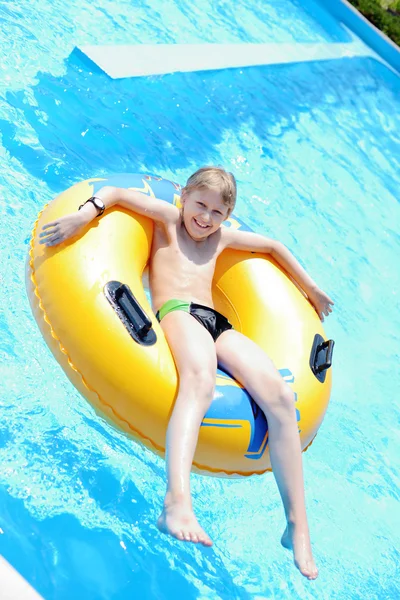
253 242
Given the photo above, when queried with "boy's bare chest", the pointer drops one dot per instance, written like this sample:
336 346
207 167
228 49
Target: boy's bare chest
177 252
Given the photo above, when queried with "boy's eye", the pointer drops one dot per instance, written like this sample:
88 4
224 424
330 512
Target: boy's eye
202 205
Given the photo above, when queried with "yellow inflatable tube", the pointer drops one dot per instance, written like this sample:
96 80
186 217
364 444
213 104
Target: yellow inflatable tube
133 382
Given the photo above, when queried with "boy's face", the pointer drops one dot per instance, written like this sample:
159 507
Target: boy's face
203 212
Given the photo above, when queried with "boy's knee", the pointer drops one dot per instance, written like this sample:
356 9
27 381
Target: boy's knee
284 396
280 395
201 379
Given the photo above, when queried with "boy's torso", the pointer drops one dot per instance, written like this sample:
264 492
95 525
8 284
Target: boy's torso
181 268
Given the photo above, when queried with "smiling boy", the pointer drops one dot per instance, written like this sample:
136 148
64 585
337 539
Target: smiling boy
186 245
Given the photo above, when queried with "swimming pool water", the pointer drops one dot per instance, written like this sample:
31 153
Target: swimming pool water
316 151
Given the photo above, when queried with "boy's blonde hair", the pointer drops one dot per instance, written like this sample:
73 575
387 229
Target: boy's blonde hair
215 178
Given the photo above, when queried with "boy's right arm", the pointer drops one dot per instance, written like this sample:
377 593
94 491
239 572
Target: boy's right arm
156 209
66 227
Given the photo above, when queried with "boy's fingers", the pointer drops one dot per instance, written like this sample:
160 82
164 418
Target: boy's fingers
46 239
49 231
52 224
54 241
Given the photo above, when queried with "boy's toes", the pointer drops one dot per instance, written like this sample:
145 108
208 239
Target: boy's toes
204 539
207 542
313 573
183 526
309 570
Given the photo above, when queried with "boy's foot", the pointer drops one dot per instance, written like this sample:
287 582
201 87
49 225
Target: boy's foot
298 540
179 521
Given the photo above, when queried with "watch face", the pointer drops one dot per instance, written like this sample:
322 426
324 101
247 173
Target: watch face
98 203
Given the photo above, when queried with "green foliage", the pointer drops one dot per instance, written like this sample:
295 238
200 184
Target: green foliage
386 20
395 6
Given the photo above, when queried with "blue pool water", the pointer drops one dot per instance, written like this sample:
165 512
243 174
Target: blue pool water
316 151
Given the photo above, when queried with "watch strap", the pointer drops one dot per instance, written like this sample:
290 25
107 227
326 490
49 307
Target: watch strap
92 200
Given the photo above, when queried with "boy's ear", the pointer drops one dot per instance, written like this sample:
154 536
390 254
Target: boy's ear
230 211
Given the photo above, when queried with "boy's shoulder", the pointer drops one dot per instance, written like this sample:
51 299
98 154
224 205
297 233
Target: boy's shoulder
170 214
227 234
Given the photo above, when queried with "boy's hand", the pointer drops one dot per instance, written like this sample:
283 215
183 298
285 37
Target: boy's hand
59 231
321 302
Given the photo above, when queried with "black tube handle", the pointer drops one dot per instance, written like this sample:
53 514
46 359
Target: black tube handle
329 344
321 357
130 312
134 312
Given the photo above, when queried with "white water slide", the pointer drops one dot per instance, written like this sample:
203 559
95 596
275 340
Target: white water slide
158 59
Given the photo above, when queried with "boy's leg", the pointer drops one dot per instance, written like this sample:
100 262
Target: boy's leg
195 358
249 365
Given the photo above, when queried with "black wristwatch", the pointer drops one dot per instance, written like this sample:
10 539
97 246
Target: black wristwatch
99 204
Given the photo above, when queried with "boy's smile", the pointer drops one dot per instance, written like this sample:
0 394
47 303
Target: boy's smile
203 226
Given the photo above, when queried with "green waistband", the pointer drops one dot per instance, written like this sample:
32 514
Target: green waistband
171 305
